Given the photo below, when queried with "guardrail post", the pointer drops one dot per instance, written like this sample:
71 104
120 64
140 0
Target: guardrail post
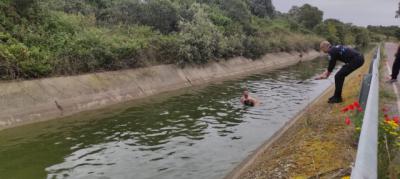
364 91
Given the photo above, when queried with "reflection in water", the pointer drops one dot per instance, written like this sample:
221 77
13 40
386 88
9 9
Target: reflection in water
202 133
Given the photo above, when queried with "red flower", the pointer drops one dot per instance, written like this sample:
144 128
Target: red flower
344 109
356 104
348 121
387 119
384 109
359 109
386 116
351 107
396 119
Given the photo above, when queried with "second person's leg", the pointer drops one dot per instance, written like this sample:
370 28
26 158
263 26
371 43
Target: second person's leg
395 68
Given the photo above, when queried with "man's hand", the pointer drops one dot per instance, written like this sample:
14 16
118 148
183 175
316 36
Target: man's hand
324 75
320 77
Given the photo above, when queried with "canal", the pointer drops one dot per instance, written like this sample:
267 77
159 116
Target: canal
200 132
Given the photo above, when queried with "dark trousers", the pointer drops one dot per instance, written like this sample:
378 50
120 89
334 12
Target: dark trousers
344 71
395 68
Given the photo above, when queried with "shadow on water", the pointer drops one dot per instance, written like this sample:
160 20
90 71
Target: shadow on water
195 133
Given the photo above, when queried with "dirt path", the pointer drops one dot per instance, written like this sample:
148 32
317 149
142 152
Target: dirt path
390 100
390 51
318 145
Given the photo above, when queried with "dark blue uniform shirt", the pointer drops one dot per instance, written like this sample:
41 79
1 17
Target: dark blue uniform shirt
341 53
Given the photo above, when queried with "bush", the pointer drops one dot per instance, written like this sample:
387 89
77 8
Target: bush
200 39
64 37
19 61
160 14
255 47
94 50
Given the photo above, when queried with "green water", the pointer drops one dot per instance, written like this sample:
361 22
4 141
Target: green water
201 132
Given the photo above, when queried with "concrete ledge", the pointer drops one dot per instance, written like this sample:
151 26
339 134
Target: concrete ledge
24 102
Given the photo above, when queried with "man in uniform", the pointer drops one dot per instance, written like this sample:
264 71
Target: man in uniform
352 59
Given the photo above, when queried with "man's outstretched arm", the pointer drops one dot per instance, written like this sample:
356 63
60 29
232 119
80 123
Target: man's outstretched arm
324 75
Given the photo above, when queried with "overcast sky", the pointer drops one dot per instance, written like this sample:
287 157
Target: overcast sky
358 12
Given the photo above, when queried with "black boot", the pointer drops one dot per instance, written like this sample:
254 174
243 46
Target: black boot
392 80
335 99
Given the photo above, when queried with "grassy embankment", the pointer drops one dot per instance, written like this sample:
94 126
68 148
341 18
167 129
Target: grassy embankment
50 38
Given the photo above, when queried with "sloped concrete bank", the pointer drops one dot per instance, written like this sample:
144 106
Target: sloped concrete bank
25 102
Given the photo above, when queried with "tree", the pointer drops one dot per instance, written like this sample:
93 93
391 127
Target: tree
262 8
78 7
27 8
22 5
329 29
332 33
397 34
342 32
236 10
163 15
361 36
398 12
306 15
199 38
388 31
85 6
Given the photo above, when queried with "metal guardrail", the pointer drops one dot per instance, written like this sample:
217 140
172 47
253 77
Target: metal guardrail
366 165
366 83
